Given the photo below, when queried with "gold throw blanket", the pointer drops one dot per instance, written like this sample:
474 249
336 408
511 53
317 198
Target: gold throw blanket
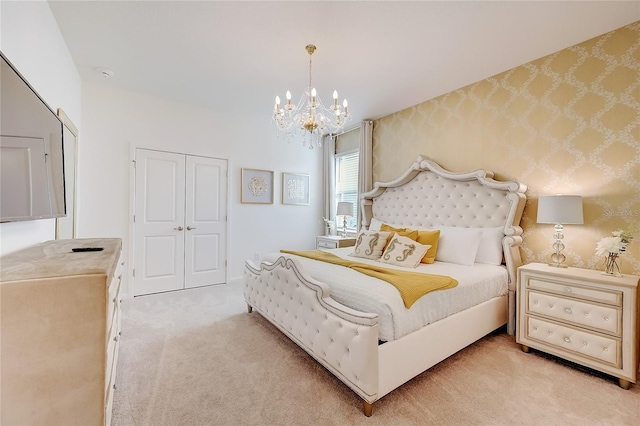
411 285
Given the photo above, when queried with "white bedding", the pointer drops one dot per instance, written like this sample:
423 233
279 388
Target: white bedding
476 284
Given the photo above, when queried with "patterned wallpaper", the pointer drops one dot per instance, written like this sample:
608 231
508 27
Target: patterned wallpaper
568 123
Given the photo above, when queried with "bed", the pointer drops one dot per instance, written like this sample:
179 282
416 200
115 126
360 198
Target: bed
343 320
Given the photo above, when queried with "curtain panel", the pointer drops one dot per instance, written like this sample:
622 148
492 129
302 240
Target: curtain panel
329 184
365 165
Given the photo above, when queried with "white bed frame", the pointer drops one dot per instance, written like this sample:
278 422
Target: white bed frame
344 340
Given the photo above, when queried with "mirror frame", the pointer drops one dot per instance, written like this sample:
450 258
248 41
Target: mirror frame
68 124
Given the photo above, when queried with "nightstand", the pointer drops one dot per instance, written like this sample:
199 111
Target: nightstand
334 241
580 315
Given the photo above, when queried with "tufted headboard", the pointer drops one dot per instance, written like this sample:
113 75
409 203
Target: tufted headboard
427 196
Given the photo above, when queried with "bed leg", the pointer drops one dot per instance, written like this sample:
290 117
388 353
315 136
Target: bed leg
524 348
249 308
367 408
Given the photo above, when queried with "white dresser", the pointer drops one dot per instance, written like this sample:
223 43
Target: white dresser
580 315
60 332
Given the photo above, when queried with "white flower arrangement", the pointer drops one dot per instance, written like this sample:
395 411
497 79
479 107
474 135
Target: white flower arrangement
616 244
327 225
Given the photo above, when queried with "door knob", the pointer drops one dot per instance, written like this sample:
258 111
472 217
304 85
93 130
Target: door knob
179 228
190 228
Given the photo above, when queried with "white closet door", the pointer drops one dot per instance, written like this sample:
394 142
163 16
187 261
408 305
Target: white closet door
159 222
205 230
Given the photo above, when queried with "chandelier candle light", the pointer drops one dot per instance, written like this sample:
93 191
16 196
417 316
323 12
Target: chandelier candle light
560 210
310 116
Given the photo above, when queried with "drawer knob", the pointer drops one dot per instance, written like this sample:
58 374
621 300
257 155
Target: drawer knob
568 311
566 339
567 289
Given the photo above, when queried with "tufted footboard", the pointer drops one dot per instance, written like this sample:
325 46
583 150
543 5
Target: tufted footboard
343 340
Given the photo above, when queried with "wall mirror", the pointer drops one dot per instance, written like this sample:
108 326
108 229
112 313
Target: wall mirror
66 226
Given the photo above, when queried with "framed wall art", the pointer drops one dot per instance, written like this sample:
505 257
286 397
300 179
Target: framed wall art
256 187
295 189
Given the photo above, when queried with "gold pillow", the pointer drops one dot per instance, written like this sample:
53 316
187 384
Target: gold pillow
429 238
403 232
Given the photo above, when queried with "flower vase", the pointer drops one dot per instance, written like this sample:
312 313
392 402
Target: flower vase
611 266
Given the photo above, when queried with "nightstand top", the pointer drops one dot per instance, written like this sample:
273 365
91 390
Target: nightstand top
626 280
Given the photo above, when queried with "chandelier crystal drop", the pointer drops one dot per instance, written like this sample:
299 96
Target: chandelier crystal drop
310 117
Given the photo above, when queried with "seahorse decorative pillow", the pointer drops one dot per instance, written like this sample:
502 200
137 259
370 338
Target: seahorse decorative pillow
404 251
370 244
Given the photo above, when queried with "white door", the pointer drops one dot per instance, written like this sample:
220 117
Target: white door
180 221
159 222
205 230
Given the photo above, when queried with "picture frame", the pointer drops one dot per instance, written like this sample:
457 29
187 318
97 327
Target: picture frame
256 186
295 189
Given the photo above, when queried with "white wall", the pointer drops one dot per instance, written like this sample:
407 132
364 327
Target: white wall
31 40
115 120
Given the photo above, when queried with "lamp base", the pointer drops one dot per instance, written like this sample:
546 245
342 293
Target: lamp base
557 265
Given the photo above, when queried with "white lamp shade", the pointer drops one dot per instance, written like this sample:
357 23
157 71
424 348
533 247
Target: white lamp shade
345 209
560 209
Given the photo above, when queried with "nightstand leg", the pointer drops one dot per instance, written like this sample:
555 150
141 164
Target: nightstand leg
249 308
624 384
367 408
524 348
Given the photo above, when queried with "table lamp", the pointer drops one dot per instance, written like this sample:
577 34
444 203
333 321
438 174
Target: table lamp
345 209
560 210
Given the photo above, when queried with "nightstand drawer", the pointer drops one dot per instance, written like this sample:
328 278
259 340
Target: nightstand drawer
604 349
568 289
601 318
334 241
327 244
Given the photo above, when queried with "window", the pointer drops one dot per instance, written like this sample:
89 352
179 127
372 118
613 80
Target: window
347 186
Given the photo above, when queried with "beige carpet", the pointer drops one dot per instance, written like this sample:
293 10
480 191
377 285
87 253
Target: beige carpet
195 357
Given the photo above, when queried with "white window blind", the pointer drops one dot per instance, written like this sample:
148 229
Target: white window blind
347 186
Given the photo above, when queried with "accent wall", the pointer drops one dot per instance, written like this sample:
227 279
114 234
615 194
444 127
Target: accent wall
567 123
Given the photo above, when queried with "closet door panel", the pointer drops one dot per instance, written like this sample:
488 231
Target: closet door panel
159 222
205 232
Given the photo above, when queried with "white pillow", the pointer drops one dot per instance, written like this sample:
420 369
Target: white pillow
375 225
458 245
403 251
370 244
490 248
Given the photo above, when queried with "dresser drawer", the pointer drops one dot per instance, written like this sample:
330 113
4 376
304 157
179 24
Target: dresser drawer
603 349
113 344
113 299
327 244
611 297
596 317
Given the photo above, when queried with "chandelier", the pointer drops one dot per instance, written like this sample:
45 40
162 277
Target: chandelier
310 116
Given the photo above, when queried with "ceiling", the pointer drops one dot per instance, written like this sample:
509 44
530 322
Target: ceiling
233 56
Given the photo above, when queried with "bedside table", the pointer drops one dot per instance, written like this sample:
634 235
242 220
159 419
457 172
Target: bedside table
334 241
582 316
